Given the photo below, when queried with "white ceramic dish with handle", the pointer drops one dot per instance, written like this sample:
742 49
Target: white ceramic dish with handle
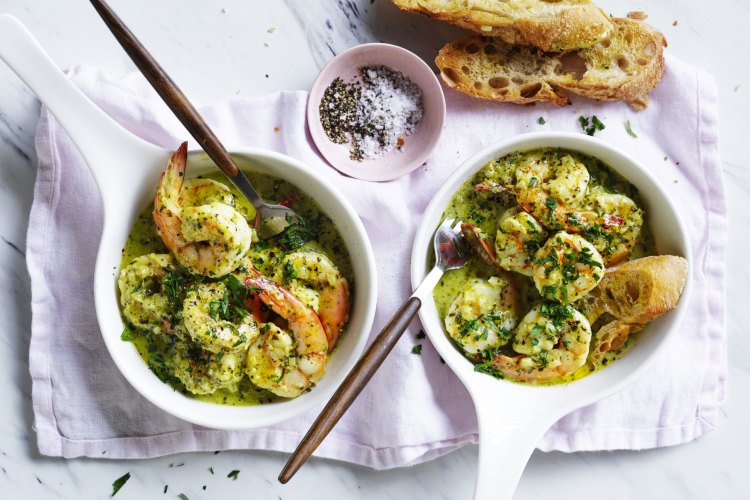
126 170
512 417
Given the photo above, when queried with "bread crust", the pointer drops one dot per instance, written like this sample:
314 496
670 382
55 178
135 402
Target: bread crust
632 295
624 67
550 26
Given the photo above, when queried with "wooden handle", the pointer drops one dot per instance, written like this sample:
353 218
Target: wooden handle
350 388
168 90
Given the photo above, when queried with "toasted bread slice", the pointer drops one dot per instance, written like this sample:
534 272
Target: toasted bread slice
551 25
630 296
624 67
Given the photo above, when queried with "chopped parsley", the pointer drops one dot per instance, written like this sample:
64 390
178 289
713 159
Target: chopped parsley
477 217
541 120
298 233
127 334
233 475
421 334
119 483
592 125
183 496
289 271
629 130
417 349
487 363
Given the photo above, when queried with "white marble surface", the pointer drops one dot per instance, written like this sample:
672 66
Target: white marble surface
216 50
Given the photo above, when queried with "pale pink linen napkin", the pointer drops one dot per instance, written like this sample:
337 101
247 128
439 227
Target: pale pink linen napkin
414 409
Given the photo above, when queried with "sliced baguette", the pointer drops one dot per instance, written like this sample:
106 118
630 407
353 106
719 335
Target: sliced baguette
630 296
624 67
545 24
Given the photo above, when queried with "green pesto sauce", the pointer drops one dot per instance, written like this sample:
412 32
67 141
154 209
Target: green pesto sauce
470 205
143 239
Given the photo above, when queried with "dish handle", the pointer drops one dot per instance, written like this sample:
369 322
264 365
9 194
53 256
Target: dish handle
109 150
511 424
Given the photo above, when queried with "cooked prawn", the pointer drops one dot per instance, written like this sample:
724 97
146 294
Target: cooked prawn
286 361
566 268
548 347
620 226
519 235
143 301
315 280
204 372
205 322
209 239
483 315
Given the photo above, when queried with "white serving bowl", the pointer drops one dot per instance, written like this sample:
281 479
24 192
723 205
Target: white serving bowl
513 417
121 211
126 170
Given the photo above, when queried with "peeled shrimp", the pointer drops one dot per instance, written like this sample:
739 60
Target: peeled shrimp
201 315
483 315
315 280
519 235
204 372
286 361
143 301
566 268
548 347
209 239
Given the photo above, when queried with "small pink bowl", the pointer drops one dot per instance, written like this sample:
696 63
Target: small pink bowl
417 147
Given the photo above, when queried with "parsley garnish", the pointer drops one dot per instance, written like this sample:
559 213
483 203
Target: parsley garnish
119 483
417 349
477 217
630 130
590 126
233 475
541 120
421 334
127 334
289 271
183 496
298 233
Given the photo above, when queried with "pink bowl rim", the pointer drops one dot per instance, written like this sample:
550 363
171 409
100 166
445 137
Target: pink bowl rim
384 168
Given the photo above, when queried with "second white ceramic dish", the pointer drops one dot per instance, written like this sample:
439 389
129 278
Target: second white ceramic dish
513 417
418 145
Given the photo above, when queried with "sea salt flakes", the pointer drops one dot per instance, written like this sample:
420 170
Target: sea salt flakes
375 114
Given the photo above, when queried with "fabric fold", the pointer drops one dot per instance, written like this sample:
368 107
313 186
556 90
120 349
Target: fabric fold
414 409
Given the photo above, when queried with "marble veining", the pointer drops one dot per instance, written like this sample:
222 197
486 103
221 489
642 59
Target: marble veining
220 50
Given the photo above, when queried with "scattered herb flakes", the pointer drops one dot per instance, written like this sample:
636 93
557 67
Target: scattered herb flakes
233 475
297 234
211 469
127 336
665 158
417 349
541 120
442 361
629 130
166 487
183 496
119 483
204 487
591 125
421 334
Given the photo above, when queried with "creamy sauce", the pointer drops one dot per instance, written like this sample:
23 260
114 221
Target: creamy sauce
157 349
470 205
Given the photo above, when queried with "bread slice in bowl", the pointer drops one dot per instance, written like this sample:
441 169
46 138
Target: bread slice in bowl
630 296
